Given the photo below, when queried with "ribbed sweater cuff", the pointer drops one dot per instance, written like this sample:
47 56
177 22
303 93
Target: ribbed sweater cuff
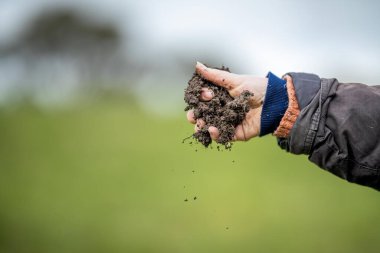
291 114
275 104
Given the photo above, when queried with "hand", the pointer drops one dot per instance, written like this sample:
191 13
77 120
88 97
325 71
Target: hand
235 84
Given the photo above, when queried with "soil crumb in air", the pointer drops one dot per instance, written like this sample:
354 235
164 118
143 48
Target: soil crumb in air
223 111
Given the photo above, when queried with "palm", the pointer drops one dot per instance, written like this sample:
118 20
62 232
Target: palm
235 84
239 83
250 127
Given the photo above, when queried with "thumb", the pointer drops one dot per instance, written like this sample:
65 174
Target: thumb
216 76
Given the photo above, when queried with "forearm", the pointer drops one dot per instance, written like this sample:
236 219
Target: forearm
337 127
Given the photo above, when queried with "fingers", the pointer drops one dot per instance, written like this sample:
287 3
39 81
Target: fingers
190 116
214 133
240 133
199 125
216 76
206 94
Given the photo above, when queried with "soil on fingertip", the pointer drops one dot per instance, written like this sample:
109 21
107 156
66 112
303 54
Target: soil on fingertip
222 111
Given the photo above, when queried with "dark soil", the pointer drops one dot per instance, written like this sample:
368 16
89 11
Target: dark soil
223 111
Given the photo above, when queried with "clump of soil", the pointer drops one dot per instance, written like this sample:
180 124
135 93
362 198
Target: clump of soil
223 111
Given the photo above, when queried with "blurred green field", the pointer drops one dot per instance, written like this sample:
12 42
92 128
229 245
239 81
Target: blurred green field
109 177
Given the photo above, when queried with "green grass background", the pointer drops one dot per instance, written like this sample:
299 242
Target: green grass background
108 177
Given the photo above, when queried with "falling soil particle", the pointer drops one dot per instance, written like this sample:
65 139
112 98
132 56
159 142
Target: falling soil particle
195 198
222 111
186 200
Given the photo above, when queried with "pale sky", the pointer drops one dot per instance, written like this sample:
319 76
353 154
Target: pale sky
331 38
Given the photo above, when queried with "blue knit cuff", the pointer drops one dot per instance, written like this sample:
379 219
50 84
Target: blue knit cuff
275 104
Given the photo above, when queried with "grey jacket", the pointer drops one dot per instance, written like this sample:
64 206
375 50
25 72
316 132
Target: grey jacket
338 127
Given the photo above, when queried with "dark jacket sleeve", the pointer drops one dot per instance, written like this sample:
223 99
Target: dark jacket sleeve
338 127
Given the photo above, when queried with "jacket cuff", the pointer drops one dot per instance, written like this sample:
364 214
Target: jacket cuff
306 87
275 104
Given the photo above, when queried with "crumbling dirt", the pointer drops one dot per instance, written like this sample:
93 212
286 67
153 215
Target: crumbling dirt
223 111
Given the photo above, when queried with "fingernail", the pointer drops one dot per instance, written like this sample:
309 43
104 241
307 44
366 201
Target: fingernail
201 65
209 94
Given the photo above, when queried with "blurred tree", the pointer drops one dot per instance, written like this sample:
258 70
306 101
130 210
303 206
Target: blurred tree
62 50
65 31
67 35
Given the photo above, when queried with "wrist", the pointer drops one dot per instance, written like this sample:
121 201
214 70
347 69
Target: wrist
262 85
258 86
